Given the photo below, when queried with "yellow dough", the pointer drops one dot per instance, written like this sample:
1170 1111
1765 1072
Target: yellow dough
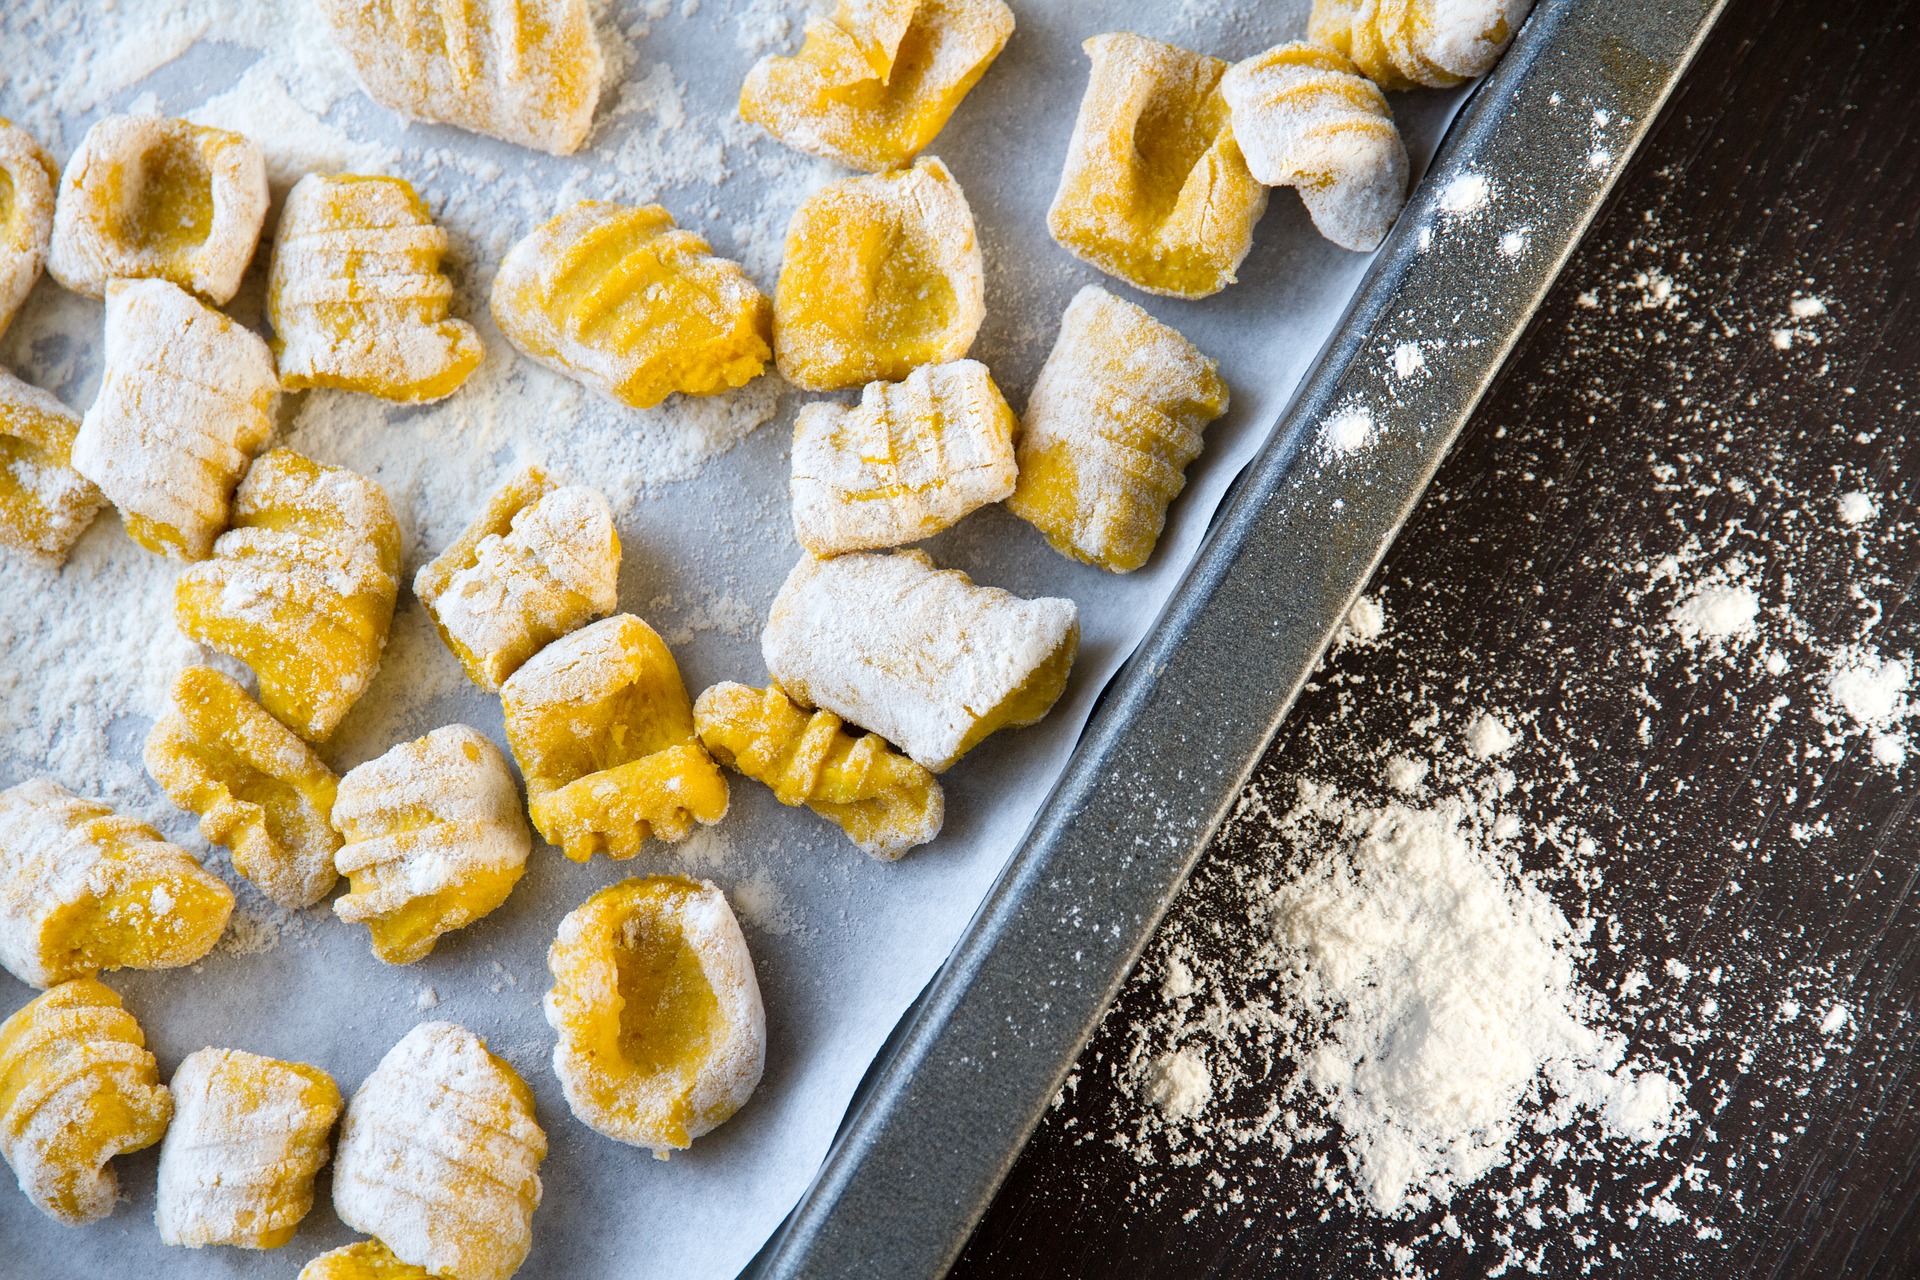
362 1260
151 197
77 1088
882 275
301 589
439 1156
912 458
539 562
919 655
258 789
885 802
356 297
185 403
1155 190
248 1135
662 1033
1305 118
435 840
622 301
83 889
603 730
523 71
45 505
1113 421
875 83
28 178
1404 44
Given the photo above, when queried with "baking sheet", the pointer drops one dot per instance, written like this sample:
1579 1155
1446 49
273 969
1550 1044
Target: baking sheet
842 944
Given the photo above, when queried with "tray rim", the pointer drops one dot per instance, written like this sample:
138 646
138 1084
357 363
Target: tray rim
903 1185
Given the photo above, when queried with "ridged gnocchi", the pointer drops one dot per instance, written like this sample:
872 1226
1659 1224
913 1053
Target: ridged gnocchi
77 1088
876 82
1115 417
28 179
301 589
621 300
919 655
439 1156
662 1036
83 889
185 403
1155 190
602 727
45 505
238 1162
355 294
523 71
1404 44
257 788
1306 119
541 561
361 1260
882 275
912 458
434 840
147 197
885 802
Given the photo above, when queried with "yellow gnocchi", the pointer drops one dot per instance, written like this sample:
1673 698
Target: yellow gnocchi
185 403
919 655
912 458
83 889
28 178
1155 190
603 729
885 802
876 82
439 1157
434 840
362 1260
257 788
621 300
150 197
1115 417
248 1135
301 589
45 505
526 72
662 1036
77 1088
356 297
1306 119
1405 44
882 275
541 561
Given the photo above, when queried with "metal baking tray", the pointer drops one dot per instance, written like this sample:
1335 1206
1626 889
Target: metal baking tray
951 1100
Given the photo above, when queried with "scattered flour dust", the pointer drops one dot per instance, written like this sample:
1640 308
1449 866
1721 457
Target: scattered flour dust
1347 430
1488 736
1363 627
1717 613
1872 691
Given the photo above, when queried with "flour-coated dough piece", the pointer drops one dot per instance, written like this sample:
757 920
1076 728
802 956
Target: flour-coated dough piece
1405 44
83 889
77 1088
662 1033
45 505
28 179
153 197
920 655
1305 118
185 403
1115 417
539 562
523 71
434 840
439 1156
912 458
238 1162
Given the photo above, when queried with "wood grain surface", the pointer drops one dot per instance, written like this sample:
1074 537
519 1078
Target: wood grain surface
1670 401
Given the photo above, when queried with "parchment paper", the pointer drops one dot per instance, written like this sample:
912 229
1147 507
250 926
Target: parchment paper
842 944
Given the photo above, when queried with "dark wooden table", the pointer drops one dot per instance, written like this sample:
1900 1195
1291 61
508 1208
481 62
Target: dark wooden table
1668 401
